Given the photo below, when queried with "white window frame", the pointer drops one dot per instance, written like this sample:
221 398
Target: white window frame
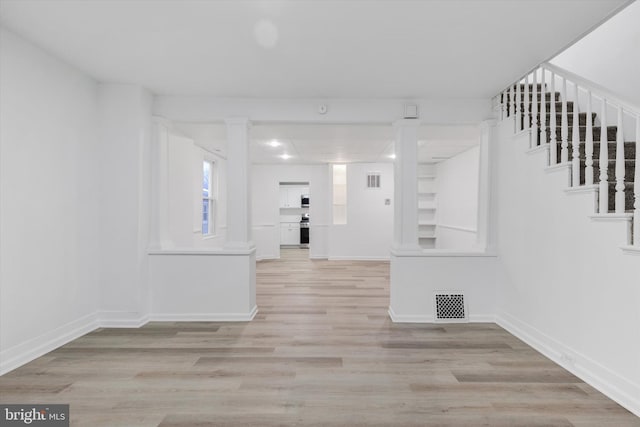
211 199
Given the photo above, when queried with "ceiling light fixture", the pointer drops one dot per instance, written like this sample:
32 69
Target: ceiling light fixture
392 156
285 156
275 143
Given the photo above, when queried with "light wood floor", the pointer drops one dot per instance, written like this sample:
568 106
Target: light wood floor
321 351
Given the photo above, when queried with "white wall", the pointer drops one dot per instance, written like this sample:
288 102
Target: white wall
415 278
457 200
124 166
185 160
50 201
368 232
566 287
206 109
610 55
265 189
202 285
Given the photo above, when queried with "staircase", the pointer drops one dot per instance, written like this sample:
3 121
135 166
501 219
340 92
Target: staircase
576 135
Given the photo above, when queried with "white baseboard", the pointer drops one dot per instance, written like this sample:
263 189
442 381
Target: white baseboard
359 258
267 256
403 318
29 350
204 317
122 319
603 379
482 318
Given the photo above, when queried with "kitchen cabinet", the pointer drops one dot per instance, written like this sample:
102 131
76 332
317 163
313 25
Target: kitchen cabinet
290 196
290 233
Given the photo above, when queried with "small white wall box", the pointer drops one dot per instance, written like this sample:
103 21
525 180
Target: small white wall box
410 111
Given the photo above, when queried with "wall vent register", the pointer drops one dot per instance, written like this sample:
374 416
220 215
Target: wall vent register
373 180
450 307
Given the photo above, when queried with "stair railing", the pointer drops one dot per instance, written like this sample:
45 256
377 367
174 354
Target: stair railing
518 102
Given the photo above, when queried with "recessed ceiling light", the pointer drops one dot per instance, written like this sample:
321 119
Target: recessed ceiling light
392 156
274 143
284 156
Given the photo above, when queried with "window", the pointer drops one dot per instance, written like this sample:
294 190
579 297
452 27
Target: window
208 198
339 194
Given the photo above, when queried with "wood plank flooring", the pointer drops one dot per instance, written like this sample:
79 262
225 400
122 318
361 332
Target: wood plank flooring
321 352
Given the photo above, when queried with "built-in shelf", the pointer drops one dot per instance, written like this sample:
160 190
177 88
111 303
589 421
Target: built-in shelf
427 206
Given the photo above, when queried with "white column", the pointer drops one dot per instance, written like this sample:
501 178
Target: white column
405 219
159 237
238 188
483 239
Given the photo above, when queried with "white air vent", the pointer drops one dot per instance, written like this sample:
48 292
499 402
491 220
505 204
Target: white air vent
410 111
450 307
373 180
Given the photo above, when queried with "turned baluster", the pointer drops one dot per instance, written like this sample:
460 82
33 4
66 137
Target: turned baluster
620 164
575 140
527 117
512 99
534 111
564 132
636 188
505 105
604 161
552 121
519 106
543 109
588 146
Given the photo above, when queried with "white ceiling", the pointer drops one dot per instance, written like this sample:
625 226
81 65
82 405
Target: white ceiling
305 48
316 144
